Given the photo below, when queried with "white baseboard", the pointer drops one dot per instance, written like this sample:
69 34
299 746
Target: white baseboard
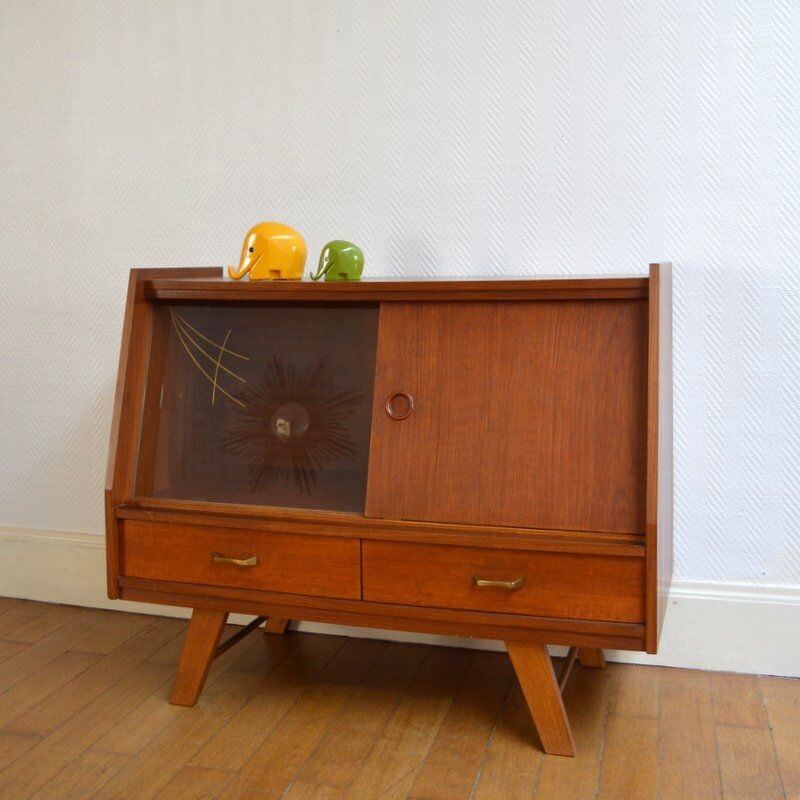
731 627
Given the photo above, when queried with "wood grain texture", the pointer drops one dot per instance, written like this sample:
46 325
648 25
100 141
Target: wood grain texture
42 683
782 698
199 650
88 631
51 755
454 760
748 765
634 691
402 744
454 622
154 714
586 701
100 676
624 776
538 681
659 450
286 562
313 791
284 680
82 776
528 414
511 767
409 713
9 602
28 621
271 769
276 625
326 523
174 287
687 733
738 700
195 783
591 657
16 619
14 745
399 751
348 742
164 755
555 585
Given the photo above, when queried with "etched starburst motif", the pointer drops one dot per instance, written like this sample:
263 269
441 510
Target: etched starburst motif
291 422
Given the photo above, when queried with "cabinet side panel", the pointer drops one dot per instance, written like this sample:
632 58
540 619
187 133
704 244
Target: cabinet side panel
130 385
126 419
659 451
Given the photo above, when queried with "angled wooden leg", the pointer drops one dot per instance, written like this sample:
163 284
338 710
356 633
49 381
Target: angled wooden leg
275 625
539 685
591 657
199 650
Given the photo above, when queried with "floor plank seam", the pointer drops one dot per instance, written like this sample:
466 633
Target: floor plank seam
604 728
772 737
489 741
402 694
658 735
230 668
330 727
716 738
434 735
312 680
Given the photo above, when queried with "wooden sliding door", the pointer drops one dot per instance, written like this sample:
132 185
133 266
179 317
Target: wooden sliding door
527 414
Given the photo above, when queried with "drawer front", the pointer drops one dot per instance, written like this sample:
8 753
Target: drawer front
322 566
568 585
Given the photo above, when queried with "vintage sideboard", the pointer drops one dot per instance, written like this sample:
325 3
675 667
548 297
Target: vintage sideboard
485 458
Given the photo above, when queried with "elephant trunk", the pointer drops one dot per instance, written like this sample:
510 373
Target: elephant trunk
246 263
325 263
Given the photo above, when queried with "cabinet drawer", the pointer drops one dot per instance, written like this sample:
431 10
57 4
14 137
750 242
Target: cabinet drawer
323 566
569 585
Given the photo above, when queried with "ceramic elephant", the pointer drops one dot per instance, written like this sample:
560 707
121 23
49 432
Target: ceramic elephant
271 251
340 261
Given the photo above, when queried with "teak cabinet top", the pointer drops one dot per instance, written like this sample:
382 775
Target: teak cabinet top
208 284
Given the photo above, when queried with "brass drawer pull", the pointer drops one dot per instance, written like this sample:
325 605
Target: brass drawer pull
517 583
218 558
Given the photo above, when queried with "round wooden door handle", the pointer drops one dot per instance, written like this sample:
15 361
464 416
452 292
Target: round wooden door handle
399 405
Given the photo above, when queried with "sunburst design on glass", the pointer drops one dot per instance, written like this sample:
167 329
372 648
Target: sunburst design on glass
292 423
196 345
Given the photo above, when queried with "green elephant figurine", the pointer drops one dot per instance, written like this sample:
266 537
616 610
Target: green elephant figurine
340 261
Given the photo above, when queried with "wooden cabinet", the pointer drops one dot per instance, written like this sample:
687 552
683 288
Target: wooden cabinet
480 458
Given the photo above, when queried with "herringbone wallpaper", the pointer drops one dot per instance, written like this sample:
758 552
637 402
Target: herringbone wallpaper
448 138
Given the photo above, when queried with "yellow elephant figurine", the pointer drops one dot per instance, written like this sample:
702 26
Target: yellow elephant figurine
271 251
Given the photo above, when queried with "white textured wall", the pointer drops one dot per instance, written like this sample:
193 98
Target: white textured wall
448 138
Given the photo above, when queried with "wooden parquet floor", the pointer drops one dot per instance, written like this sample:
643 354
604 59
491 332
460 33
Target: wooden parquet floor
84 714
